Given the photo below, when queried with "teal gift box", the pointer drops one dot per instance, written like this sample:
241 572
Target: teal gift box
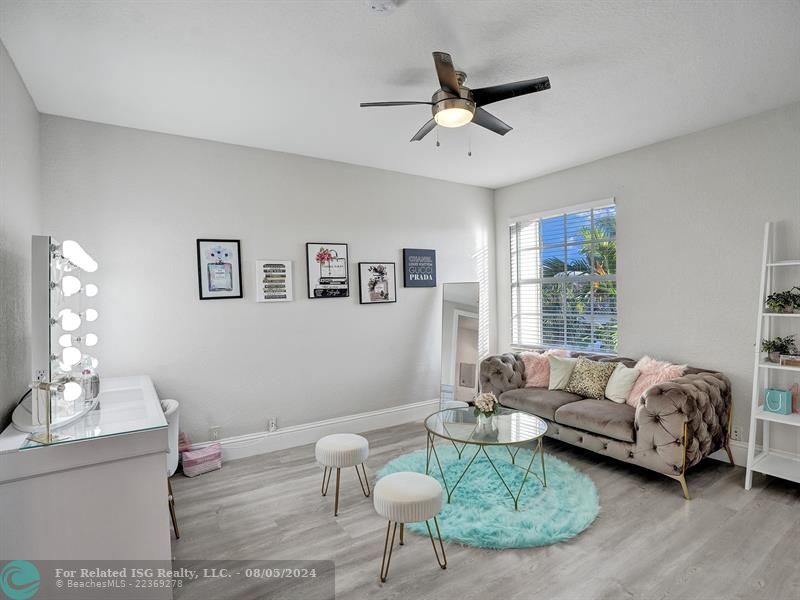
778 401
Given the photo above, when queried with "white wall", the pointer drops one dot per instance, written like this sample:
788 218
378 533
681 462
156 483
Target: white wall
19 219
138 200
690 215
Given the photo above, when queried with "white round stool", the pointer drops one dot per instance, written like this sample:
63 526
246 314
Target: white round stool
338 451
408 497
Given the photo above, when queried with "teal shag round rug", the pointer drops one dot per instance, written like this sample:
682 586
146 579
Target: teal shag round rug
481 512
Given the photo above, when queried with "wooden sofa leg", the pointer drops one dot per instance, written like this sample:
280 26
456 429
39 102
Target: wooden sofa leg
730 454
682 480
682 477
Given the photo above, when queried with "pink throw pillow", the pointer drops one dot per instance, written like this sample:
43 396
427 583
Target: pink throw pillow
653 372
537 367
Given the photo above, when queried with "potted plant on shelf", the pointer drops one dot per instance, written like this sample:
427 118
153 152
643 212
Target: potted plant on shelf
784 302
777 346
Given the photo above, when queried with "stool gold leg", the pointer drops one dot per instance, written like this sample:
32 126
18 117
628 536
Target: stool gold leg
336 502
443 561
387 546
325 484
402 529
365 491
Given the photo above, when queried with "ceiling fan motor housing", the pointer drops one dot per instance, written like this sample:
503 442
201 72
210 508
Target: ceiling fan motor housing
443 100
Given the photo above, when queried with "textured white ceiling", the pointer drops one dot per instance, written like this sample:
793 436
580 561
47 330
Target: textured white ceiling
289 75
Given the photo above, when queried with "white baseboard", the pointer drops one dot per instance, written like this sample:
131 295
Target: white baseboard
739 451
252 444
261 442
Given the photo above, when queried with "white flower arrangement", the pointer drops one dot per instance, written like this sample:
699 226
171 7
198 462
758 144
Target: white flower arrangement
485 404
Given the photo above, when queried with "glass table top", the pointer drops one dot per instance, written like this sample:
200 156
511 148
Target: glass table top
508 426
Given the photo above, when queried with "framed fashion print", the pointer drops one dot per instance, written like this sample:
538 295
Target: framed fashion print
377 283
328 275
219 269
274 281
419 267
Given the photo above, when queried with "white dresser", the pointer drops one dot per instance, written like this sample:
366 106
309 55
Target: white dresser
101 494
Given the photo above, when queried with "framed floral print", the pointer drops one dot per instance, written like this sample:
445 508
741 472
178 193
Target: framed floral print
328 275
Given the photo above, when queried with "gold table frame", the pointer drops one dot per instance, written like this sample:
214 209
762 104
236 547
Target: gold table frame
430 450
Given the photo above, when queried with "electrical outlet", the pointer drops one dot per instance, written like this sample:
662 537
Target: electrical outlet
213 432
272 423
736 433
40 375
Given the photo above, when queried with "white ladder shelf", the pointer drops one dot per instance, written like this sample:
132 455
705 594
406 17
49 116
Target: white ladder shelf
778 464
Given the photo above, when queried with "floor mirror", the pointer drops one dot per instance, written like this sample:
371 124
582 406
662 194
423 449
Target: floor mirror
460 326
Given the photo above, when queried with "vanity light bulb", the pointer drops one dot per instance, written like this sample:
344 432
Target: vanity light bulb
70 285
69 320
73 252
65 341
71 356
90 314
90 339
90 290
94 363
72 391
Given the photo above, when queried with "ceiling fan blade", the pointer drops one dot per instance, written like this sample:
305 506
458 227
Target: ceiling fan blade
490 122
397 103
424 130
446 72
495 93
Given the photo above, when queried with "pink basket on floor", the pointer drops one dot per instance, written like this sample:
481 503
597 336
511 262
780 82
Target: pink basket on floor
202 460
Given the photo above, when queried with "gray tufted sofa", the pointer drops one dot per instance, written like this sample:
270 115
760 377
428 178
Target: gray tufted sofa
675 425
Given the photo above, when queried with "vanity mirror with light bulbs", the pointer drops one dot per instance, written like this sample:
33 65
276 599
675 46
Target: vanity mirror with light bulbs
100 452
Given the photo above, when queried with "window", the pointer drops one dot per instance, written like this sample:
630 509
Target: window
564 280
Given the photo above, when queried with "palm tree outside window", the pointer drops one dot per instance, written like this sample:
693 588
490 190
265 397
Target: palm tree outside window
564 280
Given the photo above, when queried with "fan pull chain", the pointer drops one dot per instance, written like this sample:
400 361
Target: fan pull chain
437 138
469 146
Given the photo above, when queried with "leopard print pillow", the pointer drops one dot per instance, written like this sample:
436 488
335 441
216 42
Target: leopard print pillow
589 378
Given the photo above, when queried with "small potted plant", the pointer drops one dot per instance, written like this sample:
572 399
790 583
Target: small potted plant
485 408
784 302
777 346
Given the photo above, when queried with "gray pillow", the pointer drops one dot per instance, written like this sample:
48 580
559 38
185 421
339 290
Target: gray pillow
560 371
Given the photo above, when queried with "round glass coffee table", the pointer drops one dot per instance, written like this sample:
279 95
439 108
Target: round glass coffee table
508 428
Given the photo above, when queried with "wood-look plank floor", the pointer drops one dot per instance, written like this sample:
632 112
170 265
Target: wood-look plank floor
647 543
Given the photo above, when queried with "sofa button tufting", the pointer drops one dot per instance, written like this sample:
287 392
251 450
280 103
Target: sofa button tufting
630 454
580 440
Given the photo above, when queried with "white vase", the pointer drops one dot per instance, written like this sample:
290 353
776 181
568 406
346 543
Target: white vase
486 427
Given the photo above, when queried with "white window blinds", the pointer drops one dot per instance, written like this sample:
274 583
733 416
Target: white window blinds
564 280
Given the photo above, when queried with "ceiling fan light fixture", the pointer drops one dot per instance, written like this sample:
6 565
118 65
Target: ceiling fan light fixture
453 112
453 117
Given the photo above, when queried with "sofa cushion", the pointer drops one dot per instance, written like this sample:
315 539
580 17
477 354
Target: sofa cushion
589 378
599 416
560 371
537 367
538 401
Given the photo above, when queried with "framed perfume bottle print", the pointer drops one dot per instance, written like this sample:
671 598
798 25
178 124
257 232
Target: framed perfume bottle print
219 269
328 275
376 283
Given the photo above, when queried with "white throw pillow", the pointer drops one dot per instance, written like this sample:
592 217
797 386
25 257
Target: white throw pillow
560 371
621 383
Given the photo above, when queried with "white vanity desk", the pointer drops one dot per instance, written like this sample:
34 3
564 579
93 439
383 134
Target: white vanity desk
102 494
